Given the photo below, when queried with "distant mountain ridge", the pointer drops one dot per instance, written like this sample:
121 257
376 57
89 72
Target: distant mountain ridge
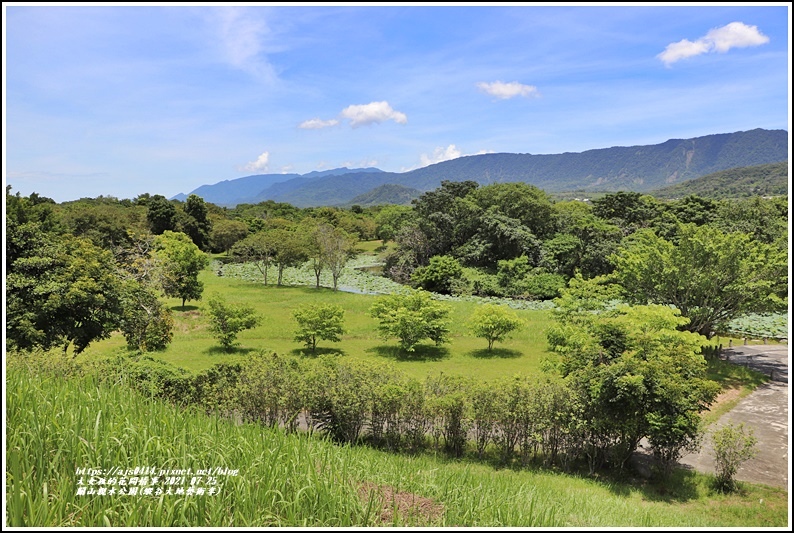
246 189
633 168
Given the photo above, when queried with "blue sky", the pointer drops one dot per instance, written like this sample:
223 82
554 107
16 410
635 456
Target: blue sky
120 100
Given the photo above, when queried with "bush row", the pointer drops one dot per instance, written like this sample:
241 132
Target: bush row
518 419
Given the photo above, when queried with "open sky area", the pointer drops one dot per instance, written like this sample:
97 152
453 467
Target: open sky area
120 100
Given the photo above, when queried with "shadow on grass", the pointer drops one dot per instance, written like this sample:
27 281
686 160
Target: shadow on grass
180 309
732 375
680 486
305 352
495 353
420 353
220 350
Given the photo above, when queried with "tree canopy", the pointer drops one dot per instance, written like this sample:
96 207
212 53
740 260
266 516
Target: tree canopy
179 263
710 276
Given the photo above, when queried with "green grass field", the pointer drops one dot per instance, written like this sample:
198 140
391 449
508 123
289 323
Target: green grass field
57 425
193 348
302 480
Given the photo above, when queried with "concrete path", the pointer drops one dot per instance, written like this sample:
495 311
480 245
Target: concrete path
766 411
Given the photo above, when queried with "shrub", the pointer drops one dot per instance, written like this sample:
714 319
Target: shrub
732 446
440 275
146 323
227 320
319 321
411 317
493 323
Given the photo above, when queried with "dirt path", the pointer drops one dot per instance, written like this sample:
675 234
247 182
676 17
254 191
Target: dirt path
766 411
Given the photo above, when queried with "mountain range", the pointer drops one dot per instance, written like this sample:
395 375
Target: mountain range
633 168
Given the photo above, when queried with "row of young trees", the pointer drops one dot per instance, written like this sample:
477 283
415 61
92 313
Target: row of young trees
289 244
619 374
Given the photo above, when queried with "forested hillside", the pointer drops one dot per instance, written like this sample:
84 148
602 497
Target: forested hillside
759 180
387 194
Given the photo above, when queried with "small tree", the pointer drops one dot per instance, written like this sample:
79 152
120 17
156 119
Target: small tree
411 317
227 320
180 262
319 321
493 323
335 247
732 446
145 322
259 248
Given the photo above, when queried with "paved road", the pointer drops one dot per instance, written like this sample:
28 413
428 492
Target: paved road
766 410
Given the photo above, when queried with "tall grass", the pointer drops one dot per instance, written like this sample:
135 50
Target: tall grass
57 425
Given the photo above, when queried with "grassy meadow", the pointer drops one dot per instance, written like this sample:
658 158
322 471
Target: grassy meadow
194 348
57 425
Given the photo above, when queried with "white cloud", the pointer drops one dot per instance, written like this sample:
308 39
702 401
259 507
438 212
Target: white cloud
733 35
504 91
359 115
259 165
372 113
317 124
440 154
241 40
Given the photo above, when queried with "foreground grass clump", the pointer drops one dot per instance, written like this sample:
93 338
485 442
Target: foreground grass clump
57 425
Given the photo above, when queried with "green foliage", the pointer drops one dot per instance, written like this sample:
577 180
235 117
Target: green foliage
493 323
542 286
339 395
627 210
319 321
732 445
391 219
55 425
334 247
270 390
145 322
411 317
440 275
509 271
518 278
759 326
259 249
61 292
711 276
226 233
767 220
160 214
195 222
635 375
179 263
290 248
228 320
108 224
